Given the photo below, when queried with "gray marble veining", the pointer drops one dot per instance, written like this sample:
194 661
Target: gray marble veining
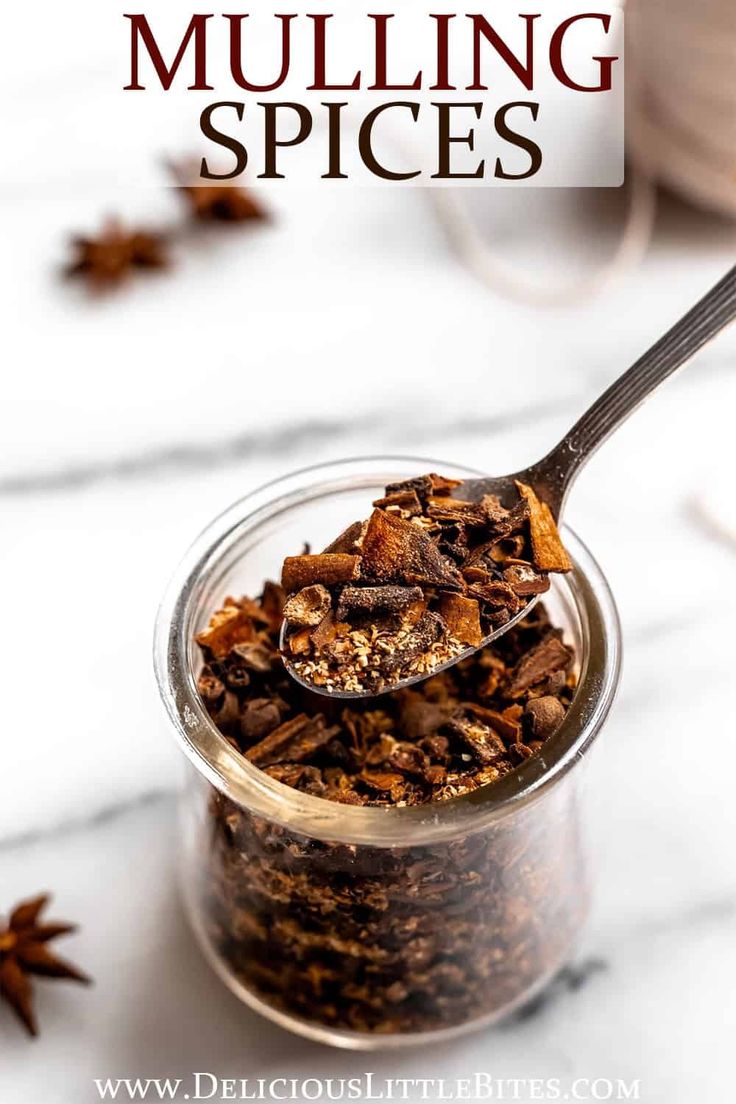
127 425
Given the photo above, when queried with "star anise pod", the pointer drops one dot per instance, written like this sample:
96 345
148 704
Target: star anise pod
24 951
222 204
212 202
107 260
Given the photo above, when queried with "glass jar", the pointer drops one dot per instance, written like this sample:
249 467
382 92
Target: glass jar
369 927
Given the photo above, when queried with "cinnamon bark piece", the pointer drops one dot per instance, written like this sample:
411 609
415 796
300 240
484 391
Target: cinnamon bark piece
294 741
327 568
424 485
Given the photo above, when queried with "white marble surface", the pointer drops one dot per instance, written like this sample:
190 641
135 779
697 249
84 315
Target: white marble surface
126 424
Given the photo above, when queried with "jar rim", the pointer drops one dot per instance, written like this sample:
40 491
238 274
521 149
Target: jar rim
228 770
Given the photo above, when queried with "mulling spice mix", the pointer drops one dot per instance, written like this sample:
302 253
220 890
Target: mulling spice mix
389 940
427 577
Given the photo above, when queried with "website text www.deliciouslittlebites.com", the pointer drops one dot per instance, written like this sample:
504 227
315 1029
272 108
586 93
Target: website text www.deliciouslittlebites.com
477 1086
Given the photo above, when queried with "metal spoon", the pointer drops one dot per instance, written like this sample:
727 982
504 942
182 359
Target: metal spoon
553 476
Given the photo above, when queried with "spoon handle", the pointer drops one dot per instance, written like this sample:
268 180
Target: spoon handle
706 319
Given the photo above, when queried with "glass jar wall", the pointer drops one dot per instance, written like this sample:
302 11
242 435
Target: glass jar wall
364 926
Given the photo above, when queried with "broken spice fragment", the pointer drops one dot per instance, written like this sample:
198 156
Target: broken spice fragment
293 741
549 552
228 626
308 607
543 661
486 745
524 580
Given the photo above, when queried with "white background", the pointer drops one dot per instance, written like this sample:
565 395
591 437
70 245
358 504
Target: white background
127 423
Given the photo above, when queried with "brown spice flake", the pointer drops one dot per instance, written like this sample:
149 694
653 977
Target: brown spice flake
349 540
462 617
228 626
549 657
485 744
406 502
377 599
524 580
308 607
300 642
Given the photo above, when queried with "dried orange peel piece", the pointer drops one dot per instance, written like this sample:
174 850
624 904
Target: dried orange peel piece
229 626
462 617
395 550
547 549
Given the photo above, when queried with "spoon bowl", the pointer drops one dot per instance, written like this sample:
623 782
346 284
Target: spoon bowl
552 477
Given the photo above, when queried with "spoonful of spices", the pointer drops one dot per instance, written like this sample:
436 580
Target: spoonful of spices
443 567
